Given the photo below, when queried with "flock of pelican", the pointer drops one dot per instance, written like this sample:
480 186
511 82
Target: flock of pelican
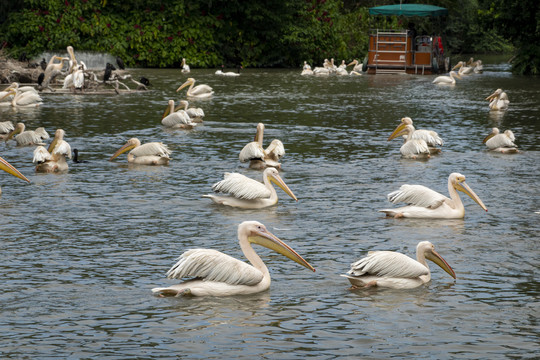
212 273
329 68
463 69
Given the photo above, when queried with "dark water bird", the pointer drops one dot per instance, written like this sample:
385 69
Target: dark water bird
76 159
108 71
144 81
43 64
23 57
40 78
120 63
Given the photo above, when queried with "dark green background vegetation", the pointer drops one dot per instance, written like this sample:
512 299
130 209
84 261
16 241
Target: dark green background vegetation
262 33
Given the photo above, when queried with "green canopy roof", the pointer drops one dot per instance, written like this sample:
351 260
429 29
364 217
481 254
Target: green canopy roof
409 10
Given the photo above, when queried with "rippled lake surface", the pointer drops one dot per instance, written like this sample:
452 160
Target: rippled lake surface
81 251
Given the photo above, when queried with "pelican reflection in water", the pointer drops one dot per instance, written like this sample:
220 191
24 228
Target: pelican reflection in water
213 273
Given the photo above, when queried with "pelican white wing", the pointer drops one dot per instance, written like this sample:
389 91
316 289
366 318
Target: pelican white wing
251 151
41 155
242 187
179 117
275 150
32 137
6 127
153 148
429 136
201 90
417 195
62 148
502 140
388 264
414 147
213 265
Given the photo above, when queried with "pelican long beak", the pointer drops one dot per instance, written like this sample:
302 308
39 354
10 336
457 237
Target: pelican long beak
12 92
397 131
457 66
52 145
276 179
438 259
354 62
259 134
127 147
11 134
492 96
10 169
463 187
488 137
272 242
184 85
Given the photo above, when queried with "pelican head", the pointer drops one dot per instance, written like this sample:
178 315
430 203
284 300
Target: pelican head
458 182
19 128
257 233
494 131
128 146
494 95
58 136
170 109
354 62
260 133
458 65
427 249
189 81
182 104
454 74
406 120
10 169
402 129
273 176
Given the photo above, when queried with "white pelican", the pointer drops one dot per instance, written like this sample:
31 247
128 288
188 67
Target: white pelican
448 80
214 273
342 69
10 169
222 72
357 66
498 101
247 193
5 128
413 148
199 91
503 143
429 136
185 66
176 118
394 270
426 203
23 98
260 158
463 68
154 153
73 65
477 65
195 114
321 71
28 137
306 70
53 159
52 70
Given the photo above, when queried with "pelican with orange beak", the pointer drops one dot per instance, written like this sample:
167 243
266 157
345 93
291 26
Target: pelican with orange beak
53 159
199 91
10 169
153 153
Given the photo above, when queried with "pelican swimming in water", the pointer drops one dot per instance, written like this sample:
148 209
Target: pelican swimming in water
54 158
176 118
22 98
199 91
413 148
5 128
390 269
306 70
431 138
185 66
222 72
426 203
463 69
196 114
448 80
27 137
357 66
498 101
154 153
246 193
10 169
503 143
214 273
260 158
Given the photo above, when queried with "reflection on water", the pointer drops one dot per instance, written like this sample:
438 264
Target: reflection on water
81 250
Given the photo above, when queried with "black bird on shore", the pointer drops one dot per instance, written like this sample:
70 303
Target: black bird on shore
120 62
40 78
43 64
108 71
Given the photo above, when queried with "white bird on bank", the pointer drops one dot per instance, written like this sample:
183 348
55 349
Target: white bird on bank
176 118
413 148
10 169
390 269
214 273
246 193
503 143
27 137
185 66
260 158
447 80
54 158
153 153
426 203
199 91
498 101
